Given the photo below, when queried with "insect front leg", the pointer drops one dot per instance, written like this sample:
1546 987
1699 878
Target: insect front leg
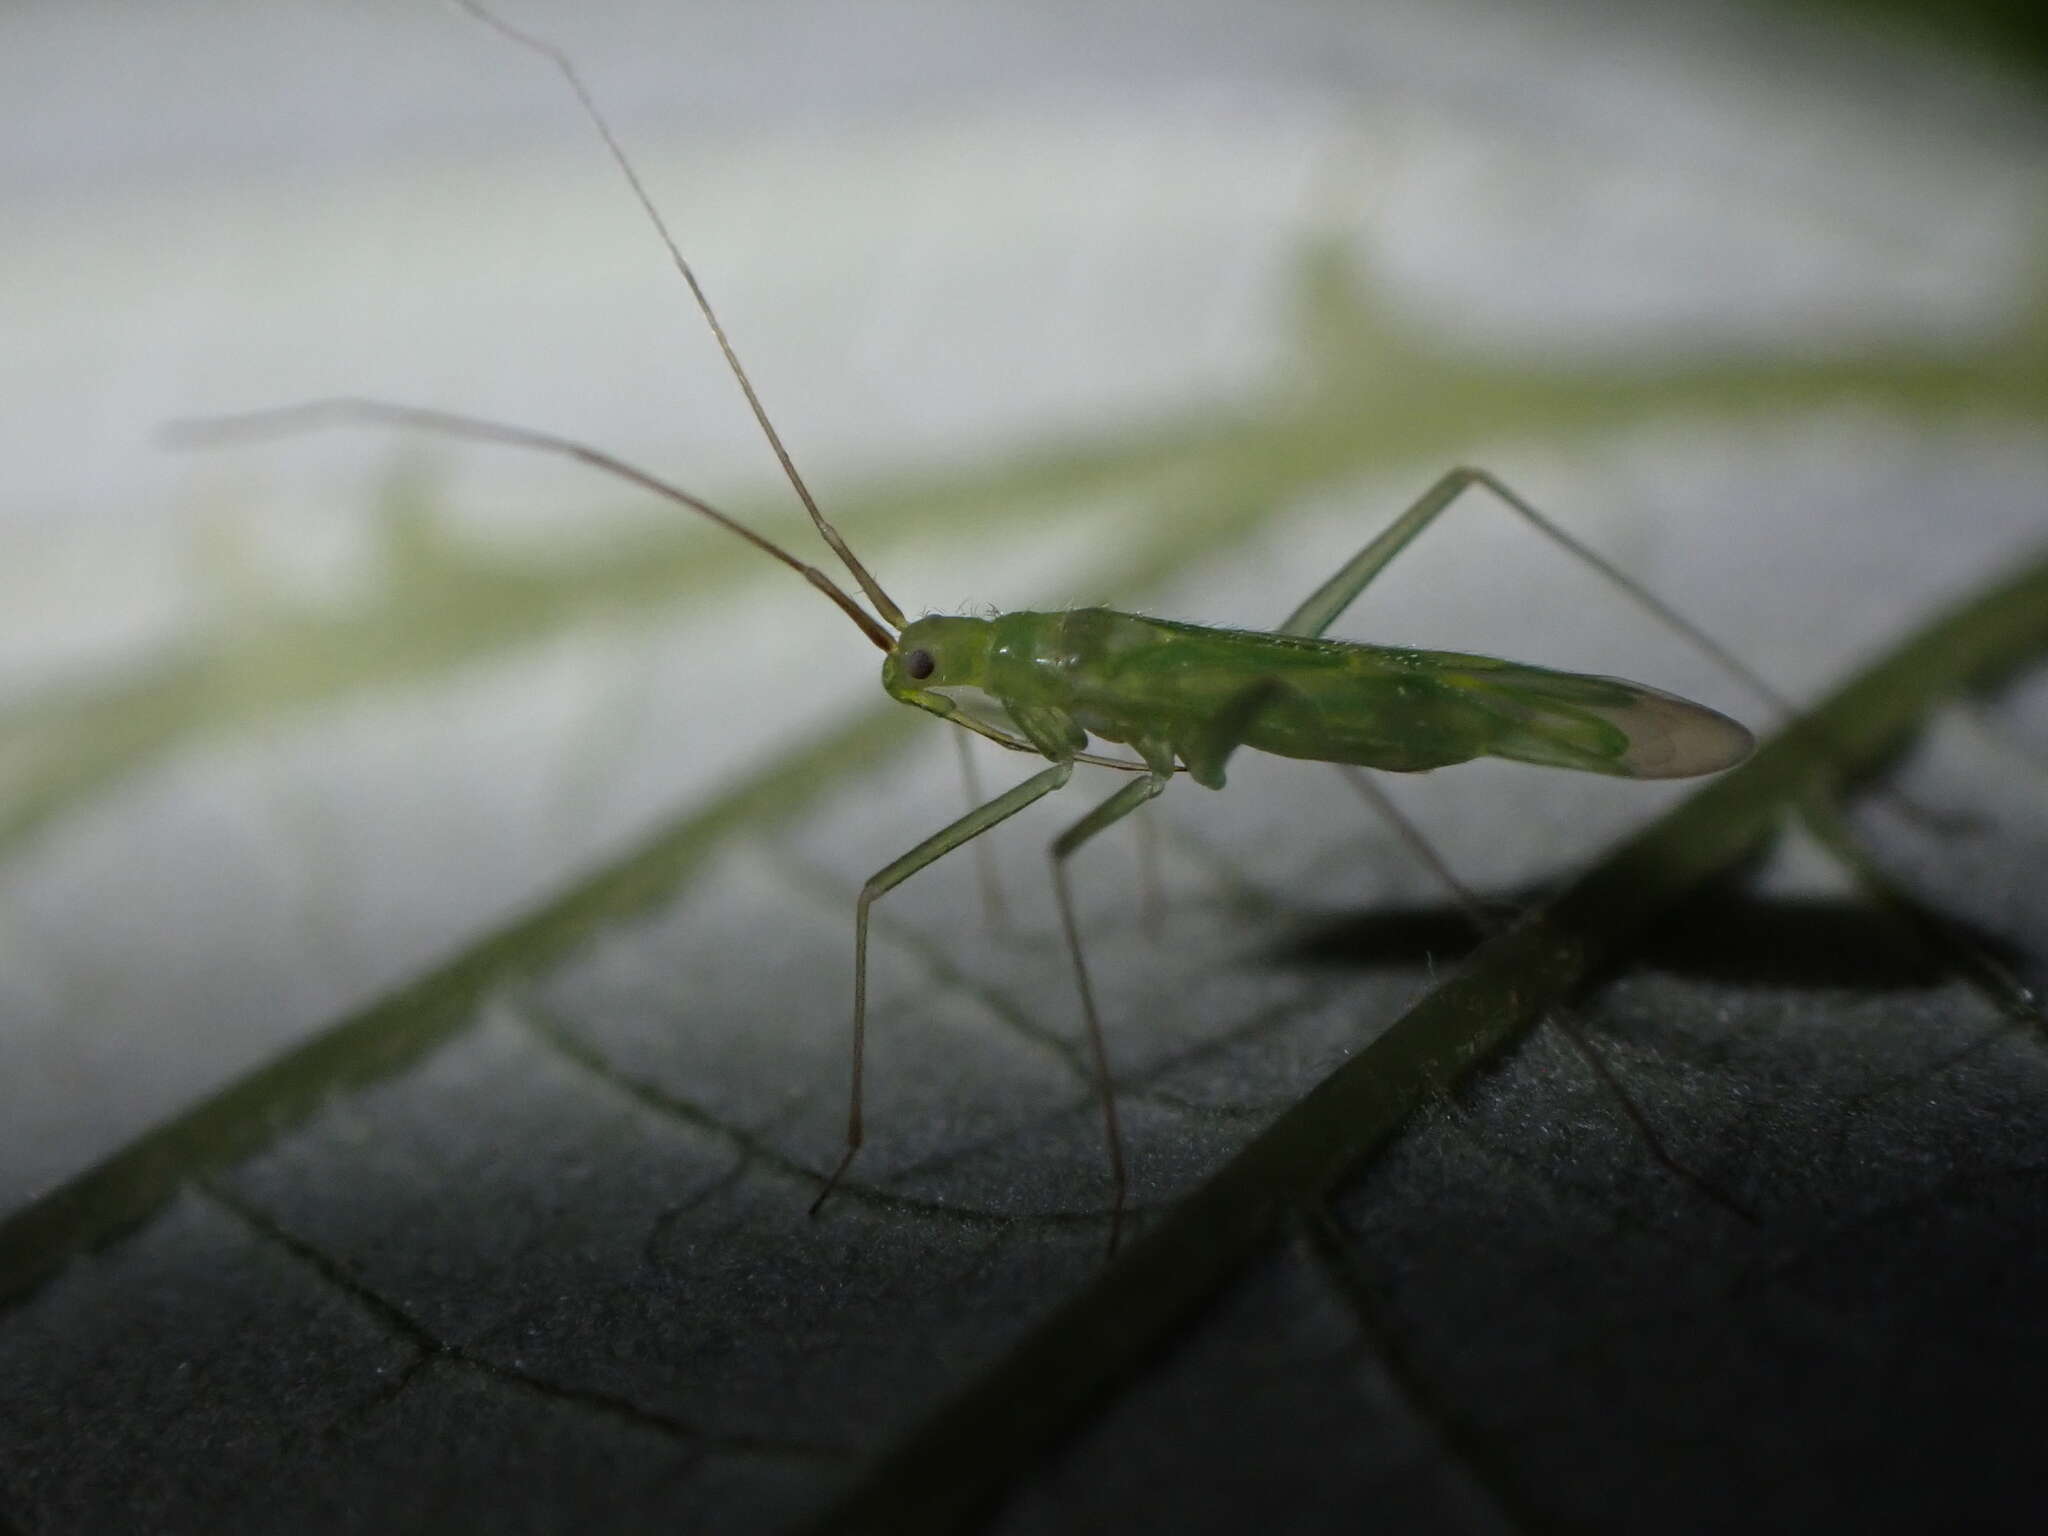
886 879
995 912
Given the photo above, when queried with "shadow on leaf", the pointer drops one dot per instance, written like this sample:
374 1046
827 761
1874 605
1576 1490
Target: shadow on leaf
1722 935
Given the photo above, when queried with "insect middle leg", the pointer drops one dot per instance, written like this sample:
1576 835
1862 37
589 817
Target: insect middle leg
1111 811
1205 753
886 879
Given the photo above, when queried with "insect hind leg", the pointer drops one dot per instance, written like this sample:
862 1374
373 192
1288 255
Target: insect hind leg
1324 605
1489 926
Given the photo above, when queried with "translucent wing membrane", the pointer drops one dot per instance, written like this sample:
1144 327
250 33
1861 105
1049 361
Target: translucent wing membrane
1599 724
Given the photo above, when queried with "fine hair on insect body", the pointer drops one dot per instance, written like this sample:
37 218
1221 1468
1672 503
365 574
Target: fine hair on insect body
1182 698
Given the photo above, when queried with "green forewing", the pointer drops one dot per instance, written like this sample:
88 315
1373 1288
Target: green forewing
1127 678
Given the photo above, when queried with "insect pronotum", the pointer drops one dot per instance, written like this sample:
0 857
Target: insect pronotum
1182 697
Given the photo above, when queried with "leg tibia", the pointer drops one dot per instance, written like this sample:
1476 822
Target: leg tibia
886 879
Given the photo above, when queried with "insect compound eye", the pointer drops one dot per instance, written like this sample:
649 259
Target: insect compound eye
919 664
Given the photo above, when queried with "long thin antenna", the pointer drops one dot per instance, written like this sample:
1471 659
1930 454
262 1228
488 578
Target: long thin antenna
890 613
317 413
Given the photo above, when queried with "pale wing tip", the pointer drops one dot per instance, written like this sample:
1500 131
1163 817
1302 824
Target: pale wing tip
1674 738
